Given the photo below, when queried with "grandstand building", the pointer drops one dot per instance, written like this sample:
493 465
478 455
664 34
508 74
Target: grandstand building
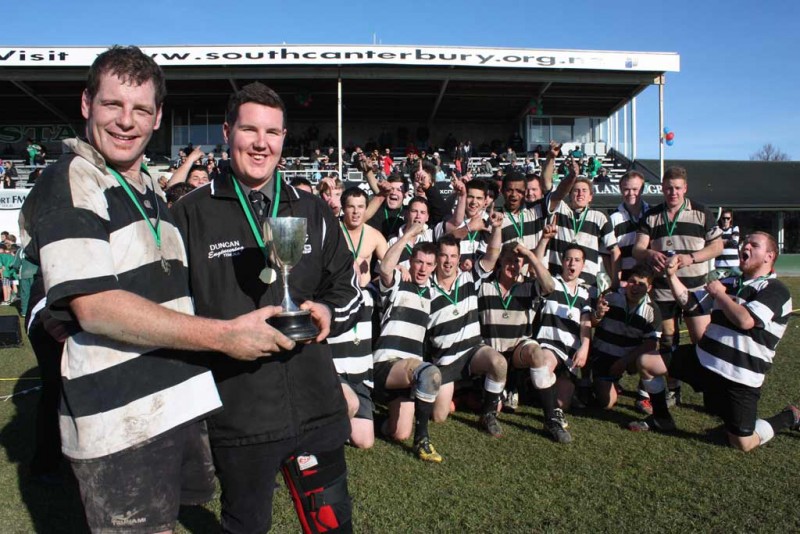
399 97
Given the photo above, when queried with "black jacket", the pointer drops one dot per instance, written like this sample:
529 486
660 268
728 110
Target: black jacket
285 395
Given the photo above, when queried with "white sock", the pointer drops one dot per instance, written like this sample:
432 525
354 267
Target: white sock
764 430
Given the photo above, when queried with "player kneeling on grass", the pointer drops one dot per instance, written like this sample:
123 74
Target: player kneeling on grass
508 308
400 375
563 342
627 324
749 314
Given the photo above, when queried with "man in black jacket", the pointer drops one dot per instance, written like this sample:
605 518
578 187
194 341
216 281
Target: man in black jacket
285 412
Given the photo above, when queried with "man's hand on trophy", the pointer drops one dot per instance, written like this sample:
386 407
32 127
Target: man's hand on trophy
249 337
321 315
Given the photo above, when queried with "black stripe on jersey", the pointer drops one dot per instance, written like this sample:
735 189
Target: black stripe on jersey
126 382
125 213
733 356
454 323
434 354
439 301
74 223
148 281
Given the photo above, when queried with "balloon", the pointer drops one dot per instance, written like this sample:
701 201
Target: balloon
670 142
666 130
670 136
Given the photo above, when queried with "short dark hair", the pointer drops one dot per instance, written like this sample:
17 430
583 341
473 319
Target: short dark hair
201 168
398 179
447 241
176 191
129 64
513 176
535 177
573 246
480 185
508 250
299 180
351 192
420 200
255 92
676 173
632 174
423 247
491 188
642 270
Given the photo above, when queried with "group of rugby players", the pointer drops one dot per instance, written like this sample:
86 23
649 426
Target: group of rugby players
510 285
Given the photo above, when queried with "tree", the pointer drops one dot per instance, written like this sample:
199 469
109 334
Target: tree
768 152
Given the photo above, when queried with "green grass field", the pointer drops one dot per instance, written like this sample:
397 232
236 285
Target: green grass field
608 479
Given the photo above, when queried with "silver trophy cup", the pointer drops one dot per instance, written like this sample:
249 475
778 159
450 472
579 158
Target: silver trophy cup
286 237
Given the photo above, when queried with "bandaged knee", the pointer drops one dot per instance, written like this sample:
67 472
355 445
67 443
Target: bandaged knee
542 377
427 381
654 385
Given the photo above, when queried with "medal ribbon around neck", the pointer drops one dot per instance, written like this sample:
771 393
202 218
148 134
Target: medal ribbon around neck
507 299
386 217
576 228
154 229
517 227
452 301
248 212
672 224
353 250
570 303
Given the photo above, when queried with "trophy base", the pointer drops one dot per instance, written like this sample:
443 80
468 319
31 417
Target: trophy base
294 325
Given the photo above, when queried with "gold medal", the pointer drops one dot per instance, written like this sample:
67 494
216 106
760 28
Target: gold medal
267 275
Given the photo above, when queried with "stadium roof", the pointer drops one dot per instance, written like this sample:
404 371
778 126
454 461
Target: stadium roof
420 84
754 185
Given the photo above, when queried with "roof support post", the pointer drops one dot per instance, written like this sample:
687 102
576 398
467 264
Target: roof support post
660 81
633 129
339 157
439 98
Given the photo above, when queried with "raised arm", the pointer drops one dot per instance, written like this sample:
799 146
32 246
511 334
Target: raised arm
489 260
392 257
565 186
546 282
182 172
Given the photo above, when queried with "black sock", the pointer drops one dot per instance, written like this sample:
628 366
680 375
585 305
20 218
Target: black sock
490 401
548 397
659 402
422 414
781 421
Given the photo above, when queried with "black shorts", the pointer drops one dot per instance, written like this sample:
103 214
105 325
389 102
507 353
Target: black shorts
459 369
380 372
600 364
736 404
670 309
364 394
140 489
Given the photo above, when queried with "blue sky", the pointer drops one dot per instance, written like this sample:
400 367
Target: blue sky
737 89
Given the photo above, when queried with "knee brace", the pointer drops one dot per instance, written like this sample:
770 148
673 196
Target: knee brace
542 377
427 381
318 486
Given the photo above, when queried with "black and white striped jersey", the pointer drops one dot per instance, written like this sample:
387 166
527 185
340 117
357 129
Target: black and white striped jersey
591 230
745 356
404 321
625 327
560 329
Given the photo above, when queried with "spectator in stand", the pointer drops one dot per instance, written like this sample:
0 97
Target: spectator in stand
211 168
224 164
32 150
729 259
510 156
10 177
593 166
330 190
461 159
602 176
387 162
576 152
